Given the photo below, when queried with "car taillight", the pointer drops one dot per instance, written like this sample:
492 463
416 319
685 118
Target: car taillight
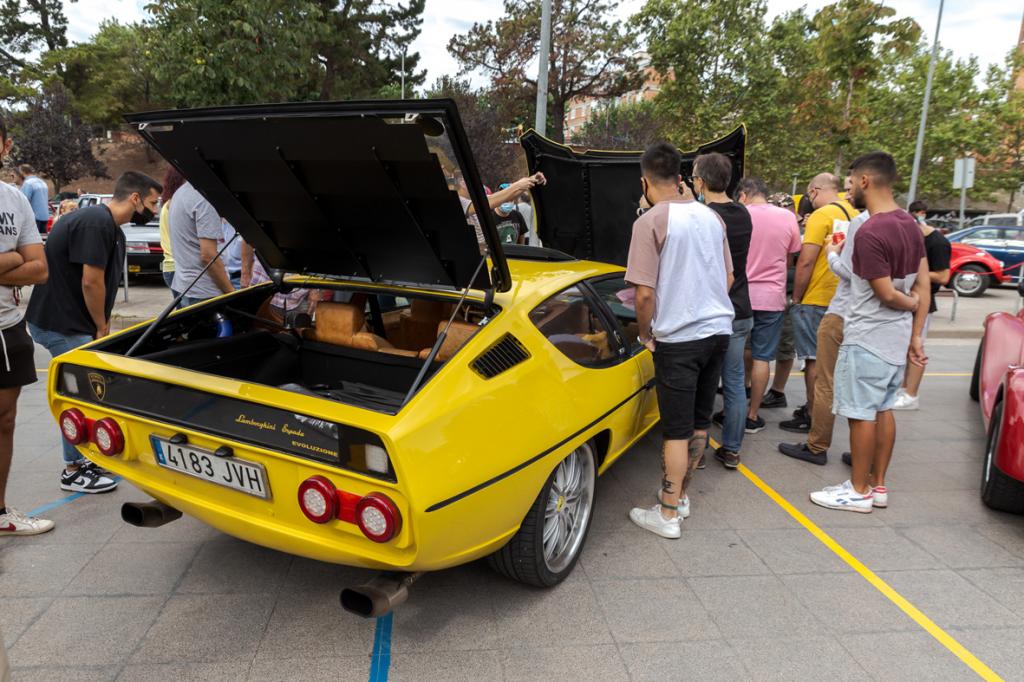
318 499
74 426
378 517
108 437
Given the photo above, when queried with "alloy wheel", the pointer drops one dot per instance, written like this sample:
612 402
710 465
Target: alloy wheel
568 508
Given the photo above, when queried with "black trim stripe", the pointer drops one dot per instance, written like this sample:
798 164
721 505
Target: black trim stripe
519 467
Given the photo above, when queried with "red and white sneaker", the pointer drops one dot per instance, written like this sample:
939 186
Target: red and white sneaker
13 522
880 496
843 497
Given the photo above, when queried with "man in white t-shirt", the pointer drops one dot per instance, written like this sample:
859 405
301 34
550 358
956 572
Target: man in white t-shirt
680 264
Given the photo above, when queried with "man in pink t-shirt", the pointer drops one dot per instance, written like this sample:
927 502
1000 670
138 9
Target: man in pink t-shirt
773 243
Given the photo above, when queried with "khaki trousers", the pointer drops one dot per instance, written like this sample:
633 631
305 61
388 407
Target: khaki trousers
830 337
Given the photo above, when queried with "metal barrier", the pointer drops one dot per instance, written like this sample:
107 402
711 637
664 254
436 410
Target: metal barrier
956 300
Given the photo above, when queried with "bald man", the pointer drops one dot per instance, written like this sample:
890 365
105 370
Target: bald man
814 283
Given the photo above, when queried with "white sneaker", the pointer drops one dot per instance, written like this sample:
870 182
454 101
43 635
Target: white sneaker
905 401
880 496
843 497
13 522
684 505
652 520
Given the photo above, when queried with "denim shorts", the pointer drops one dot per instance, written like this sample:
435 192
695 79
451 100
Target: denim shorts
764 338
864 384
686 376
806 319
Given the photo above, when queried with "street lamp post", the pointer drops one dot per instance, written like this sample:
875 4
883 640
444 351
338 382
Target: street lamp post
540 123
912 192
404 48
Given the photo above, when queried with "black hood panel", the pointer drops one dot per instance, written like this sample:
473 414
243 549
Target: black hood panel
589 204
353 190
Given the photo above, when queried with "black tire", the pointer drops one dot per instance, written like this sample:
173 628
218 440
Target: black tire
999 491
523 558
971 280
975 390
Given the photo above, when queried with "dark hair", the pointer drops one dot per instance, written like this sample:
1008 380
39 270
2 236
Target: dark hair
131 182
752 187
714 169
24 170
880 165
173 179
661 161
917 206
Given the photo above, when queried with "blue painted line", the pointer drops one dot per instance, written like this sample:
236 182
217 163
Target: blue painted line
380 662
49 506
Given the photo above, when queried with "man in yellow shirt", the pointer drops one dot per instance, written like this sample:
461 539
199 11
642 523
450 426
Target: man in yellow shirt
814 283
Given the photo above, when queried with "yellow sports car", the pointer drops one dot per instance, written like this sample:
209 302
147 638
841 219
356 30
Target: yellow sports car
447 399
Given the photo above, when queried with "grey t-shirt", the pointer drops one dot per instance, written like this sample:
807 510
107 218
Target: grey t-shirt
17 229
191 218
842 265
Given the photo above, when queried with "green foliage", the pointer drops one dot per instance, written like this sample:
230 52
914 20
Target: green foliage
50 136
591 55
621 127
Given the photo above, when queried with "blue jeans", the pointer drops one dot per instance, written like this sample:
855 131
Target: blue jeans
58 344
734 386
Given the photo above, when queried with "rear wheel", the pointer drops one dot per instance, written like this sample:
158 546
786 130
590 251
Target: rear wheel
970 281
549 541
975 390
998 490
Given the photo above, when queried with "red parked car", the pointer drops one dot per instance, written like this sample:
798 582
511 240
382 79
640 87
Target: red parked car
998 384
972 270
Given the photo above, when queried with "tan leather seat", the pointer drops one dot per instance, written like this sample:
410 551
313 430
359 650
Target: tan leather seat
418 327
458 334
343 324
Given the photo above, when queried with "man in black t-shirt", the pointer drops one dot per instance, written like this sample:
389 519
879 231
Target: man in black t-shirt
711 175
510 223
85 256
939 252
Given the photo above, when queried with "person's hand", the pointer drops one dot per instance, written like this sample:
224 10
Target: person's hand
539 179
648 343
832 247
917 301
916 353
102 331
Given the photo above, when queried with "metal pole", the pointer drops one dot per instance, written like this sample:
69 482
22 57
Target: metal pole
912 192
541 121
963 199
403 73
795 176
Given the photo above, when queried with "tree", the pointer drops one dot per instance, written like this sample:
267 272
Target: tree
212 52
51 137
622 127
1006 162
27 26
591 55
359 50
490 130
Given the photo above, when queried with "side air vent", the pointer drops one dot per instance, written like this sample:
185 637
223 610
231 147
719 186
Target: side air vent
507 353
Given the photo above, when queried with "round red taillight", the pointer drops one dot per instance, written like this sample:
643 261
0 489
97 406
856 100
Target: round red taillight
318 499
107 435
378 517
74 426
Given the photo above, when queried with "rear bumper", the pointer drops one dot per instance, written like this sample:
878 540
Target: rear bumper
145 264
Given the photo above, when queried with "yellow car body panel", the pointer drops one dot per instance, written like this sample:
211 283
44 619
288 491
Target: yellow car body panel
469 454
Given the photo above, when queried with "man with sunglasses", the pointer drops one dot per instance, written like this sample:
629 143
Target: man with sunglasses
814 283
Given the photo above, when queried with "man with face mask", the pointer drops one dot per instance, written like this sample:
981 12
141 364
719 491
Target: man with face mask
85 255
510 223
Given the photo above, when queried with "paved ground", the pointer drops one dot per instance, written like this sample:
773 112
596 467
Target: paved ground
747 593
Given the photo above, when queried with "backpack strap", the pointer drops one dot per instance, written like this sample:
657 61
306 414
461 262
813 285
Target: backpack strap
841 208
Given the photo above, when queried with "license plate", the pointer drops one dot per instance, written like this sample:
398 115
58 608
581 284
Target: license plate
134 268
230 472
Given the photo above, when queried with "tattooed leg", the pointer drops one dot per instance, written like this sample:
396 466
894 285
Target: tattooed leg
673 466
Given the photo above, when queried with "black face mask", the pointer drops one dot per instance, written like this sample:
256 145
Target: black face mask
142 217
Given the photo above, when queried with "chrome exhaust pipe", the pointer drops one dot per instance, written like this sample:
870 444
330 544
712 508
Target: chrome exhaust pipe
381 595
148 514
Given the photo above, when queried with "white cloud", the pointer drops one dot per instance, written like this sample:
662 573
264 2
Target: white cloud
987 29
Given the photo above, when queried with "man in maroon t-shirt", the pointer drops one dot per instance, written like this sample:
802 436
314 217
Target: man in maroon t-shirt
889 296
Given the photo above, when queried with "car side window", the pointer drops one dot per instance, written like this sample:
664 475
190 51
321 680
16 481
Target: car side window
620 298
986 234
569 321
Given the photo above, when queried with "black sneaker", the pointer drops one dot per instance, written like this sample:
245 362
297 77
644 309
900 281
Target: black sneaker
730 460
802 452
800 423
718 419
86 480
847 459
774 399
755 425
800 410
89 464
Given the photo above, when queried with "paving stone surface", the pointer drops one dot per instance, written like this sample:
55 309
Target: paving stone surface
746 594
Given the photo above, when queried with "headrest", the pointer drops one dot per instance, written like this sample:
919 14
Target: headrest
338 320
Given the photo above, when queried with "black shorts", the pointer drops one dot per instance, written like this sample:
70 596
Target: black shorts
17 357
687 375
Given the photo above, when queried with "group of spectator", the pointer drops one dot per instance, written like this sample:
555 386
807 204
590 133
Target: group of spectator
712 286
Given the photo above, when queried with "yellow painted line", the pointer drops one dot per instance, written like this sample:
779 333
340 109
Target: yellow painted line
943 637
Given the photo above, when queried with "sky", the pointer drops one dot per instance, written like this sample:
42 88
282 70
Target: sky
986 29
